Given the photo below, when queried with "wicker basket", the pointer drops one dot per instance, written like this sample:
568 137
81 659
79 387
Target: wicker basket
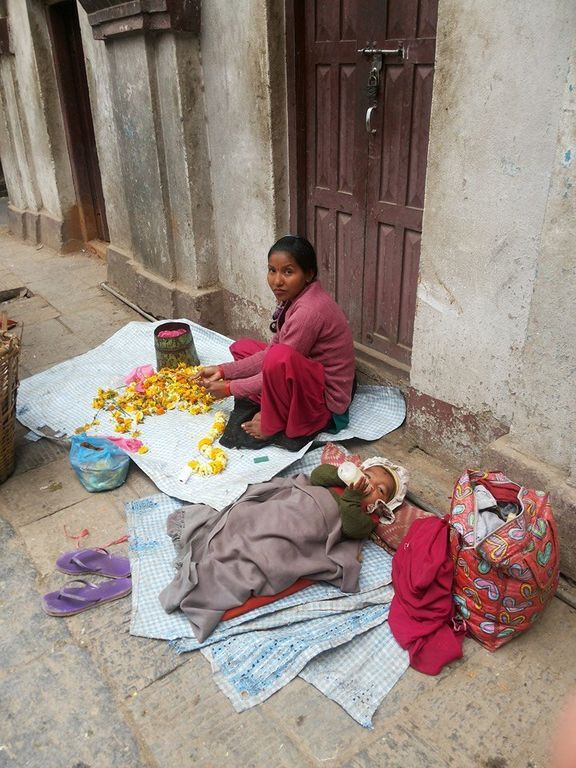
9 354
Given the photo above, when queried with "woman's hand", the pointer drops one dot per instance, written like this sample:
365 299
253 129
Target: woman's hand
208 375
218 389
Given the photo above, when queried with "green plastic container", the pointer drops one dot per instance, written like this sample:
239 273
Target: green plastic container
178 349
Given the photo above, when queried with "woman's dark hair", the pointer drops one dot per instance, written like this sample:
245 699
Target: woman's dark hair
301 251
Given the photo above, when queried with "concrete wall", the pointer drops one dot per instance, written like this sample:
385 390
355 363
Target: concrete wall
99 76
32 139
498 97
244 70
158 108
545 412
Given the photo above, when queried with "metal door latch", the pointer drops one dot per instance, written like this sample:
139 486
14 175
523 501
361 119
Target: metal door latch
383 51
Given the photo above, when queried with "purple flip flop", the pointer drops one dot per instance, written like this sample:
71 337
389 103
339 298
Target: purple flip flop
98 561
70 600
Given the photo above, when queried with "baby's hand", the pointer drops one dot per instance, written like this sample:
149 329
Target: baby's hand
362 485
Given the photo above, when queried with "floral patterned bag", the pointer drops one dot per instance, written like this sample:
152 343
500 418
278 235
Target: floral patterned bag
503 581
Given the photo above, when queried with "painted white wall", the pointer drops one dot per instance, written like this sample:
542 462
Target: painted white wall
499 78
545 414
237 92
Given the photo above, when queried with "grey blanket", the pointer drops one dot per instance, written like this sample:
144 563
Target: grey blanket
274 534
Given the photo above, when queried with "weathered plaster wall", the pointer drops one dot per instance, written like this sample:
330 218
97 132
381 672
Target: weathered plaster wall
99 75
33 144
497 101
158 108
243 63
545 414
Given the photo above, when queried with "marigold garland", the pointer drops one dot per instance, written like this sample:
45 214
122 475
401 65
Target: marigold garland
166 390
217 458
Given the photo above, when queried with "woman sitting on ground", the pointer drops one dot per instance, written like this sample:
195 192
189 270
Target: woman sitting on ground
300 383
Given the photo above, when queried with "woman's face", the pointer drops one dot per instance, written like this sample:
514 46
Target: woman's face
285 278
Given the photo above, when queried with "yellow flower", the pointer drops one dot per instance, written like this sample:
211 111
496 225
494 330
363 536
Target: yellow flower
216 457
143 449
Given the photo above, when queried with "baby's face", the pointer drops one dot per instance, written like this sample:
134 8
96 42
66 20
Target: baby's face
383 485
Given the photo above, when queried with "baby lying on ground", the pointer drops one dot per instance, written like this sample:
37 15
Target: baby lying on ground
276 533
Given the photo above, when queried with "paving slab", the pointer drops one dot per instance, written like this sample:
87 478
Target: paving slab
39 492
185 720
401 747
59 294
29 454
129 664
49 342
56 708
101 513
299 708
28 311
10 285
60 713
26 632
95 321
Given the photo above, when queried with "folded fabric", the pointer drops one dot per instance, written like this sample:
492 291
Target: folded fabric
257 601
250 668
422 611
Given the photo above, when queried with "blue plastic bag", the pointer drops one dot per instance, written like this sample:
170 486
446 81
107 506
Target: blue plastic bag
99 464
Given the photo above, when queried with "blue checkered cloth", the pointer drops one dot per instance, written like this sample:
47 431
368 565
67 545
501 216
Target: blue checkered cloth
249 668
308 633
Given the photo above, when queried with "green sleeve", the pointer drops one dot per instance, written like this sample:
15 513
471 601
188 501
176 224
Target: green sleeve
356 524
326 475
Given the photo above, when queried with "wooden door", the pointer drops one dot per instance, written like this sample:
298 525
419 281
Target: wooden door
364 190
66 38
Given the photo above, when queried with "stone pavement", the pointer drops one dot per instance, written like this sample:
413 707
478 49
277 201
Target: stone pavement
82 693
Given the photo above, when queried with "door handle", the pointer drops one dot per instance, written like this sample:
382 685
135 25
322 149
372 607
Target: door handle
369 128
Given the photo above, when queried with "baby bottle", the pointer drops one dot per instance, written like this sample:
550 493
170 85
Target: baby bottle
349 473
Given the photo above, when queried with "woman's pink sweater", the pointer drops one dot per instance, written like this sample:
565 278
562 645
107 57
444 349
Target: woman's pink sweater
315 326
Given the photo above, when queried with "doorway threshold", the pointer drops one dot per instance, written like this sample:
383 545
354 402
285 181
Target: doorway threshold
98 248
375 368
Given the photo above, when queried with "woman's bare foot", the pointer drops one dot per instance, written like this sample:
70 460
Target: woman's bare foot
254 429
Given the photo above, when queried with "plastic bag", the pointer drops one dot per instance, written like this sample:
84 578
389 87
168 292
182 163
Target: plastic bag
99 464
